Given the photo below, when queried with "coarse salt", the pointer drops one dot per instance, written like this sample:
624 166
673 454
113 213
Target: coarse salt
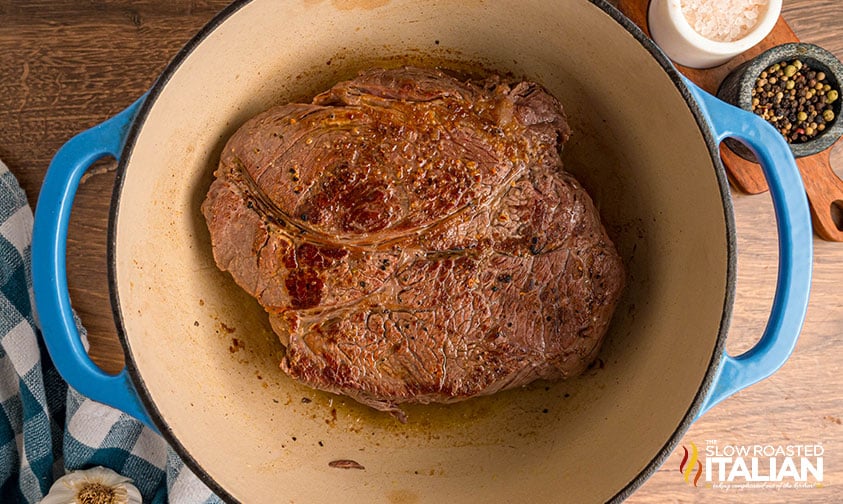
723 20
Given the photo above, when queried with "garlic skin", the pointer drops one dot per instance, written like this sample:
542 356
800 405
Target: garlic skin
98 485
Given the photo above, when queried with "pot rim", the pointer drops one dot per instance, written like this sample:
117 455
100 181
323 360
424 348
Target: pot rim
722 181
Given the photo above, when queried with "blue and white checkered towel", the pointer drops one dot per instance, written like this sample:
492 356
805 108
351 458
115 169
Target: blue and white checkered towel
47 428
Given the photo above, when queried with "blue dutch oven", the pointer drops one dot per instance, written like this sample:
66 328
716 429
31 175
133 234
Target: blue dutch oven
202 361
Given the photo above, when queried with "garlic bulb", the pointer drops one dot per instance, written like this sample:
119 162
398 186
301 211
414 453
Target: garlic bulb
98 485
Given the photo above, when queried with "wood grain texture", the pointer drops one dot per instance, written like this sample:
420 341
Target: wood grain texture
803 401
743 174
823 186
67 65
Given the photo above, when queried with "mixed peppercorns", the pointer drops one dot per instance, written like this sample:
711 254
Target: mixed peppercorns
796 99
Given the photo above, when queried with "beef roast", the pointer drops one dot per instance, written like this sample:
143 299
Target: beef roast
414 237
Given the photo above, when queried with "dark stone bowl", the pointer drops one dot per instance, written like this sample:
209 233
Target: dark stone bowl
737 90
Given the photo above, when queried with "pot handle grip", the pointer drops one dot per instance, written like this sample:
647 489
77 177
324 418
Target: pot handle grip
793 223
49 273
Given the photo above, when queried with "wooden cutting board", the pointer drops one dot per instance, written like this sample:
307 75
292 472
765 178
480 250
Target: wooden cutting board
823 187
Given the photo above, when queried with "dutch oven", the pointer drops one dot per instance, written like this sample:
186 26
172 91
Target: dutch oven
202 361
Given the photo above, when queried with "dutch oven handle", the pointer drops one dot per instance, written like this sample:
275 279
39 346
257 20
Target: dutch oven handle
793 222
64 343
49 274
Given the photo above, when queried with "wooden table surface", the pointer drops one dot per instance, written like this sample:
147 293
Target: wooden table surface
67 65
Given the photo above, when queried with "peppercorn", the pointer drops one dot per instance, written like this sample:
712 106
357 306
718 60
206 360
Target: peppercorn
795 99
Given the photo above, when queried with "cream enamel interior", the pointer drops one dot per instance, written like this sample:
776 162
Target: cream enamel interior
209 361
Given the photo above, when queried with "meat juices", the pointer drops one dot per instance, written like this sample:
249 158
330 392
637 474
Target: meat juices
414 238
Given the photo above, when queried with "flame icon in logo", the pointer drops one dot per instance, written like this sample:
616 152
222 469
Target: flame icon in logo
689 462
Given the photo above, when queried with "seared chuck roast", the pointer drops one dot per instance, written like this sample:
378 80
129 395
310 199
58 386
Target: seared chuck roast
414 238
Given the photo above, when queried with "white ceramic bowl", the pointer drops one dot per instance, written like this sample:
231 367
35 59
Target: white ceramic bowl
670 30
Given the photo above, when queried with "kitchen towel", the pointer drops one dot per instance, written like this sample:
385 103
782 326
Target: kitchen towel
47 428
